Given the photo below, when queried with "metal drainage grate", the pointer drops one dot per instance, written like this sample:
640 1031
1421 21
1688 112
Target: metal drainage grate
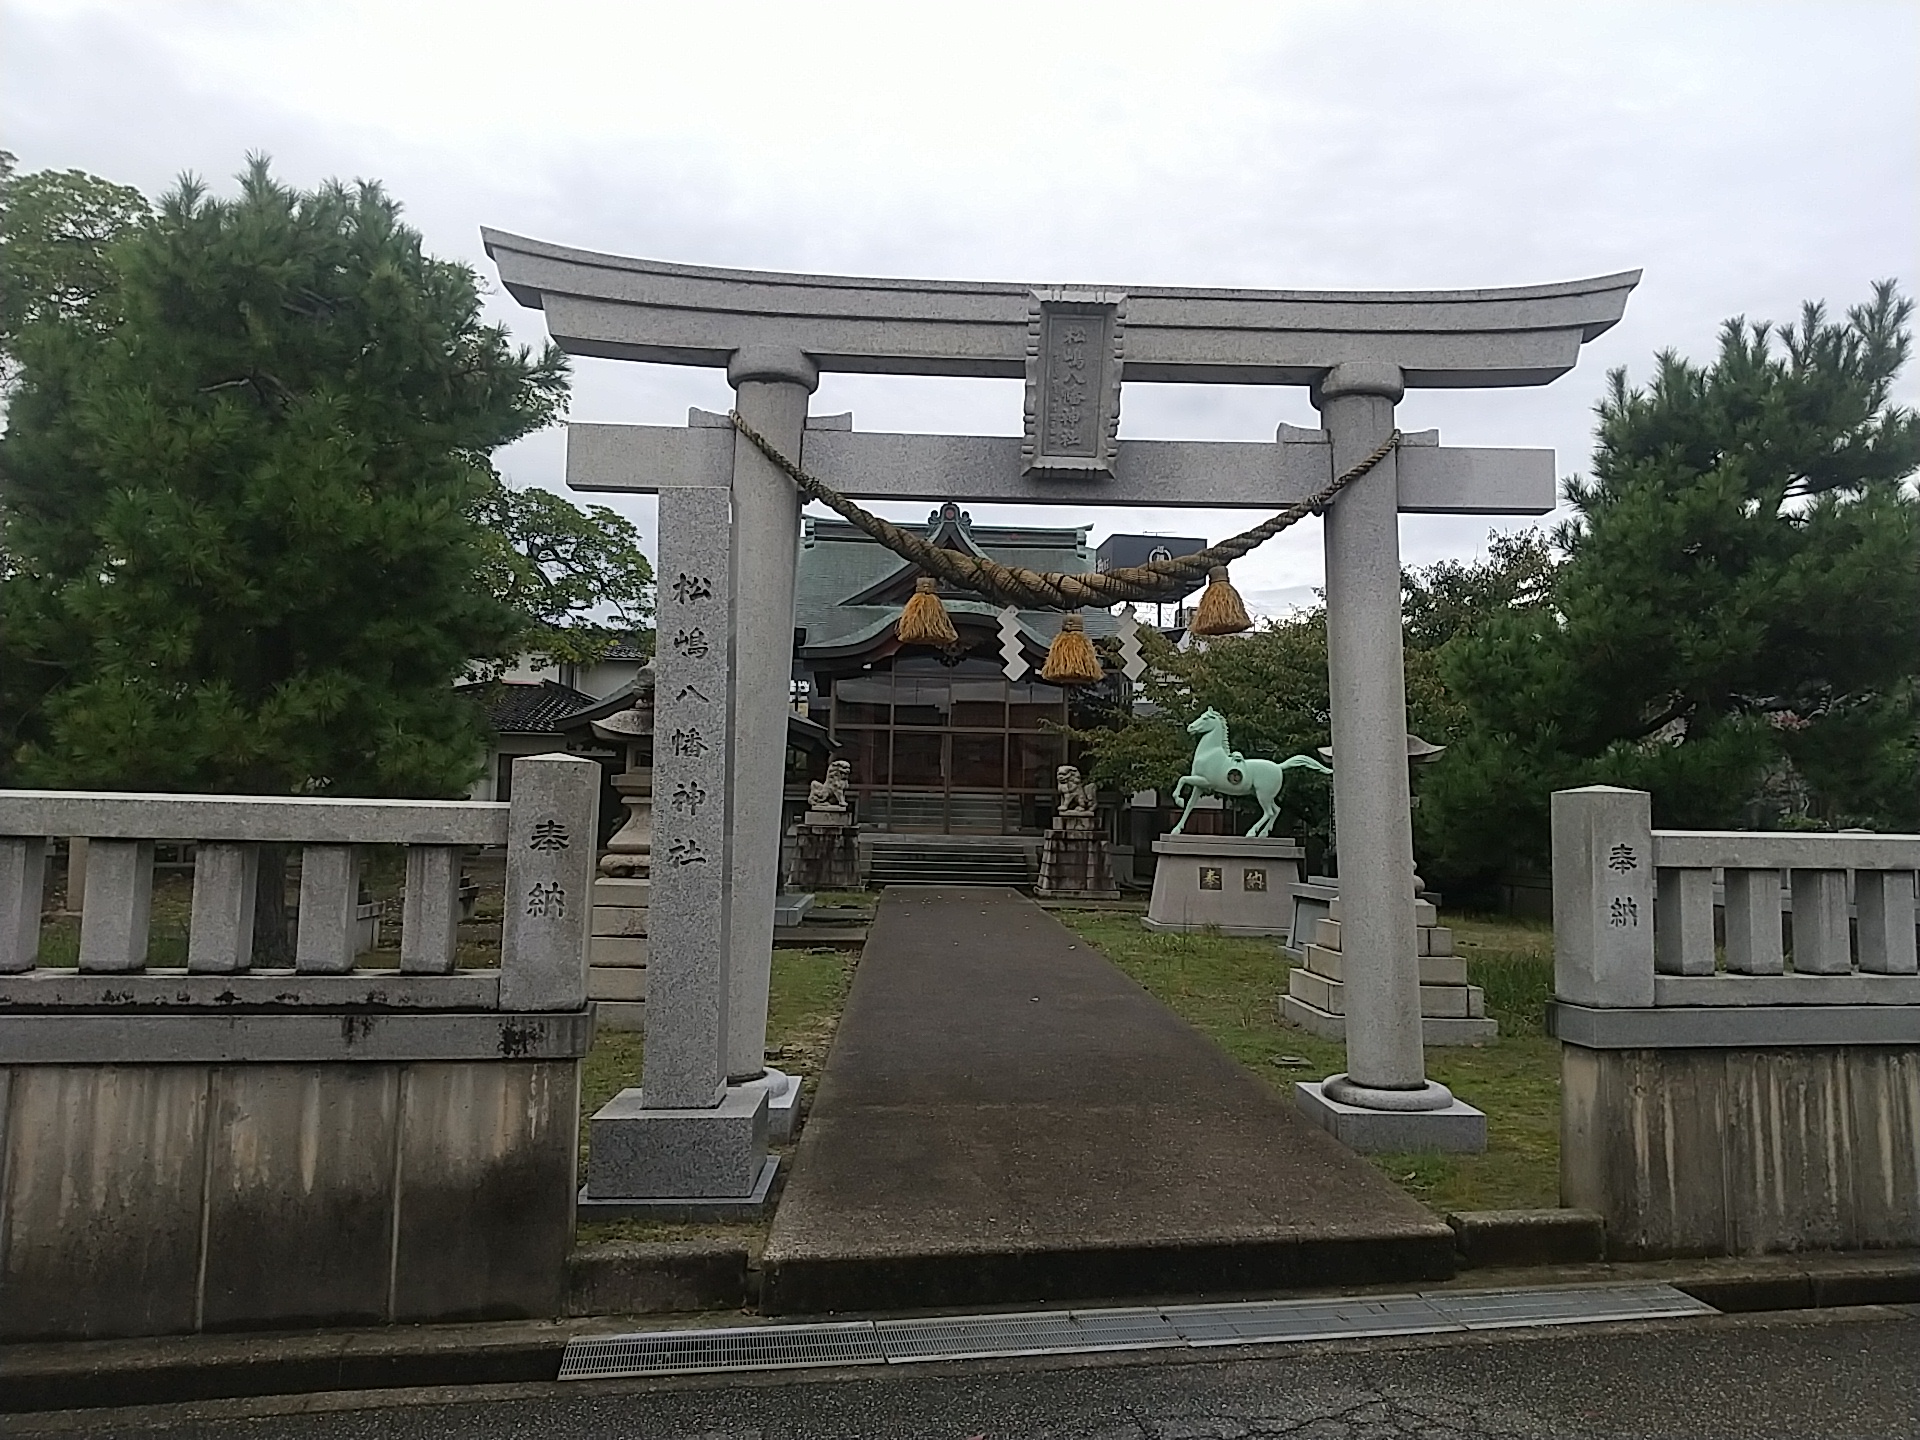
738 1347
1053 1332
1071 1332
1568 1305
1267 1321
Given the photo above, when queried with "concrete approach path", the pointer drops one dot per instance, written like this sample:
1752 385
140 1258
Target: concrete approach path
1006 1117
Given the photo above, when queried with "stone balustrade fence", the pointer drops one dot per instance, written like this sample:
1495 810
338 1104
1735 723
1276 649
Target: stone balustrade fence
348 1139
1806 922
1739 1015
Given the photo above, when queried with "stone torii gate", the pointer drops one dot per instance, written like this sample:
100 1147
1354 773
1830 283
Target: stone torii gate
775 334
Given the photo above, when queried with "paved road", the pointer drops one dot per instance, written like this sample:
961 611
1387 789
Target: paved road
1829 1374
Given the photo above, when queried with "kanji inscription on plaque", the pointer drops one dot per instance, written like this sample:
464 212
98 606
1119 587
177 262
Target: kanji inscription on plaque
1074 353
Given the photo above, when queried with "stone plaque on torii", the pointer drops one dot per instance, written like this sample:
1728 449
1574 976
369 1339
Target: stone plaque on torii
1357 352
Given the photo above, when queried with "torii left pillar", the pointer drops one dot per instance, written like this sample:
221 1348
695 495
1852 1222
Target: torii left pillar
772 386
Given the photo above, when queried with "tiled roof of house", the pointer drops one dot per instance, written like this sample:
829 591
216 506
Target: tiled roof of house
522 707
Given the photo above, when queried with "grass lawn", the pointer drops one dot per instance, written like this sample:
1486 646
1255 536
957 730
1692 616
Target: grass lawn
1230 989
808 992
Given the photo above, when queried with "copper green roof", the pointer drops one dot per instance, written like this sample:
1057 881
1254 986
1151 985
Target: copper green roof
839 564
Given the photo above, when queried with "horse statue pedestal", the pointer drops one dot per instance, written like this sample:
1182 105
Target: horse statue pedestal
1239 884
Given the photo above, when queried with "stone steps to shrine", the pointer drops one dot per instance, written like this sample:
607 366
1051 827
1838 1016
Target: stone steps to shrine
937 860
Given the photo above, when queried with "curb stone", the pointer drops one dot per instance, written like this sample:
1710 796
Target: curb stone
97 1374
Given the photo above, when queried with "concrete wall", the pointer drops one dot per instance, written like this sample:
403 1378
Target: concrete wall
1744 1151
150 1199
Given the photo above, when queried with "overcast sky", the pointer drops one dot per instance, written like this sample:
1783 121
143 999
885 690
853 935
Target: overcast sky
1747 156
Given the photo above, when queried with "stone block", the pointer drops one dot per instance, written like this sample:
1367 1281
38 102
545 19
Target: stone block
823 857
1424 911
104 1172
623 892
1683 941
486 1189
616 921
1822 938
783 1102
1451 1001
114 925
625 1015
634 1278
617 982
1754 945
1325 934
1529 1237
300 1172
1457 1130
326 937
1885 901
1434 969
1322 961
303 820
430 911
1316 990
790 908
1603 896
687 1210
1435 1031
658 1153
1436 940
225 886
622 950
23 892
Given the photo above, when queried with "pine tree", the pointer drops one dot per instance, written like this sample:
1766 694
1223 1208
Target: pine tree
242 518
1737 624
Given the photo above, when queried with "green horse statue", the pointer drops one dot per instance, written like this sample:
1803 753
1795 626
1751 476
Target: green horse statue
1218 770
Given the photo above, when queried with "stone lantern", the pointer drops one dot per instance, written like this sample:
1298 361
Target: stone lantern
617 954
630 852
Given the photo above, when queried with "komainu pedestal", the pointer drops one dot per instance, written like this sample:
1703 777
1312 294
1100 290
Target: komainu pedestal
1237 884
1074 864
824 854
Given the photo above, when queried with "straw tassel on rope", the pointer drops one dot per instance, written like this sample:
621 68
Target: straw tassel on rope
1071 659
925 620
1221 611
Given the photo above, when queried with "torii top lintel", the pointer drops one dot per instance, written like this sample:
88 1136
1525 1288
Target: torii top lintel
632 309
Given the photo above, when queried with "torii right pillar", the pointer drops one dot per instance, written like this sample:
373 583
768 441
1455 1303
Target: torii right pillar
1384 1100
